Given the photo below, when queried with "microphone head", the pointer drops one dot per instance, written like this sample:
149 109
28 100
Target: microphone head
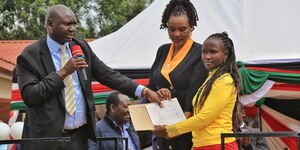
76 49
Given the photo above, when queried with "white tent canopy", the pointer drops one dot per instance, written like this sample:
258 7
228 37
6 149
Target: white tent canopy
263 31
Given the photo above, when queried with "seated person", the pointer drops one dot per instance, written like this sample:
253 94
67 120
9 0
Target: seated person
248 143
116 123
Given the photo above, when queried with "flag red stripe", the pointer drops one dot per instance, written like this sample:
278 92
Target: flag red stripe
96 88
279 126
273 70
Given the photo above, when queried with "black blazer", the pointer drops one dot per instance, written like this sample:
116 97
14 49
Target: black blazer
41 90
186 78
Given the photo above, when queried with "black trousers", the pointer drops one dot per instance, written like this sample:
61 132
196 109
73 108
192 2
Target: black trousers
79 139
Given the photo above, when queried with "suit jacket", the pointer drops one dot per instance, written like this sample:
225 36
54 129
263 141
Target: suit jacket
106 128
41 90
256 143
186 78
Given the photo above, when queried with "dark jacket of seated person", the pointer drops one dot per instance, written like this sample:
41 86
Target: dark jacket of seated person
252 143
116 123
248 143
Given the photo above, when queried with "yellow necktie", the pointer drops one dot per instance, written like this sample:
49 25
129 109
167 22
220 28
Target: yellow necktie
70 101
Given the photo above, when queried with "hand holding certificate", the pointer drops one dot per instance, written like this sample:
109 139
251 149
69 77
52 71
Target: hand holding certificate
145 116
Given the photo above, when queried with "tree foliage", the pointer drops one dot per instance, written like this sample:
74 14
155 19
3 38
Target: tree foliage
115 13
25 19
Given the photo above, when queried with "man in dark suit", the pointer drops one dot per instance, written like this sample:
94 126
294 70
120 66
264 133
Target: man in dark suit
59 98
116 123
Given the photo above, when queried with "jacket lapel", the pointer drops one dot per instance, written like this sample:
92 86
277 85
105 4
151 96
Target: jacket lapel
46 57
48 63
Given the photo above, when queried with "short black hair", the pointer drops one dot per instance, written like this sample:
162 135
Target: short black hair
114 99
177 8
239 107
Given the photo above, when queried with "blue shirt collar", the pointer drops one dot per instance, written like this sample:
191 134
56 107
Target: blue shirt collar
53 45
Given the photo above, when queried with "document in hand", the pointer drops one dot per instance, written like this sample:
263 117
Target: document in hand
144 116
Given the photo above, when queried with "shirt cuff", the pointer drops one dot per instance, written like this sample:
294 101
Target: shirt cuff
139 90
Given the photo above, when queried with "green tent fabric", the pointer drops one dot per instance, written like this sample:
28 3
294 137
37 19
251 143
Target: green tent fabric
18 106
260 102
252 80
101 99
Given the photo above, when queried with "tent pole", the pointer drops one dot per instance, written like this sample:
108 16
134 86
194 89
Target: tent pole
259 118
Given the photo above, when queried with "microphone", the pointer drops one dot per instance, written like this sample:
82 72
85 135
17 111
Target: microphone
76 49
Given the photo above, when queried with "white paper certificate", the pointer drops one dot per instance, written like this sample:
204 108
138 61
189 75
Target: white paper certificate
170 114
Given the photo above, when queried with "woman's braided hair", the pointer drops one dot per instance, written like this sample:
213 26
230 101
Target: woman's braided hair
177 8
229 66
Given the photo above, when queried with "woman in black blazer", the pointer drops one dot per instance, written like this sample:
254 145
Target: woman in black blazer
178 66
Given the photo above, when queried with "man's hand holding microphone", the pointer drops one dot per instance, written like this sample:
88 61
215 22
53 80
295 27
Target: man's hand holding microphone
75 63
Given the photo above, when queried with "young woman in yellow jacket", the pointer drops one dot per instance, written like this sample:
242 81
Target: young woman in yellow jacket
215 100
